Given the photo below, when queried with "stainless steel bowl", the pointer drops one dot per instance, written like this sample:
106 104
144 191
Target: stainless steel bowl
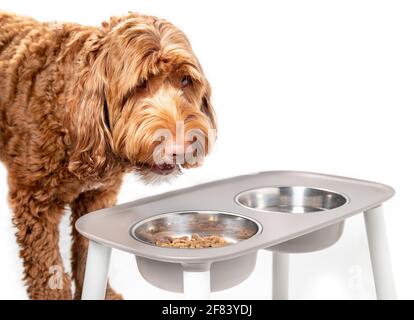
224 274
292 199
297 200
232 227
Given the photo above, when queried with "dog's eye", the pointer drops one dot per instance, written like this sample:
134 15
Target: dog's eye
143 85
186 81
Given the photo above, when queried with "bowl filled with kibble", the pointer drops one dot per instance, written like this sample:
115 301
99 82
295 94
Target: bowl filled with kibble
196 230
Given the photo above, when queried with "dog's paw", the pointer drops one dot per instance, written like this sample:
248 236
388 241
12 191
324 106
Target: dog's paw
112 295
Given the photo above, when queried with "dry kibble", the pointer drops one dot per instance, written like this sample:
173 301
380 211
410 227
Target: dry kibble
196 241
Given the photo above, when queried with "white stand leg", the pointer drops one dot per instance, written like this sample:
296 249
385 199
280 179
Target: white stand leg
280 276
380 257
196 285
96 273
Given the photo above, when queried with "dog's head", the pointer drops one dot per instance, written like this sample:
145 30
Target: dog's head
141 97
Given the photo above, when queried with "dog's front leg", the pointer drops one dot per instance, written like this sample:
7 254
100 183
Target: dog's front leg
36 218
87 202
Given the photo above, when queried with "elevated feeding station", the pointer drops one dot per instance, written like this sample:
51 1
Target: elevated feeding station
285 212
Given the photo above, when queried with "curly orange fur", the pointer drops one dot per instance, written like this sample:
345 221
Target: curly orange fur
55 140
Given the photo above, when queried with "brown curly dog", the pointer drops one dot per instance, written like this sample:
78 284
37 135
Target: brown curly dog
81 106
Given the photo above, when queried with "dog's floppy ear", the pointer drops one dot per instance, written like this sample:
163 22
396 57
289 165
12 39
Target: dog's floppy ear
207 108
90 136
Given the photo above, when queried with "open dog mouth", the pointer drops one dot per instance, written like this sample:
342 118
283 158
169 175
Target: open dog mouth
160 169
164 169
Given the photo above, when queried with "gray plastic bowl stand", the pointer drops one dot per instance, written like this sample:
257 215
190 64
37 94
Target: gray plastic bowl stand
287 212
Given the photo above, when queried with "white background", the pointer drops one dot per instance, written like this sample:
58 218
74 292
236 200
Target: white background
324 86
